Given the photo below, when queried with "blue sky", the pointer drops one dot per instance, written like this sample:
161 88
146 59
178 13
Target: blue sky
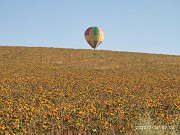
150 26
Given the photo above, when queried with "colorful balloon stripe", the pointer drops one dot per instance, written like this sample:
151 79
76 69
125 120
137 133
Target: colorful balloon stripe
87 31
96 31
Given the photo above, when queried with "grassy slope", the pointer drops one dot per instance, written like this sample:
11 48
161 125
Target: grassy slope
89 59
142 74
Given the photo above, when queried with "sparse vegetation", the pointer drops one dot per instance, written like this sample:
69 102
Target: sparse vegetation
69 91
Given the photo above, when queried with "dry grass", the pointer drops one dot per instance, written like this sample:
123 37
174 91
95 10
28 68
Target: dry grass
69 91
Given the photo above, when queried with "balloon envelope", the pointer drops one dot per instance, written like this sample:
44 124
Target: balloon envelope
94 36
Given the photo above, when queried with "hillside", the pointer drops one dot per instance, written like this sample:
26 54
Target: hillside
73 59
48 90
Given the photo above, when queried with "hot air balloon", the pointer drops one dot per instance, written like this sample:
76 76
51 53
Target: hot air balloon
94 36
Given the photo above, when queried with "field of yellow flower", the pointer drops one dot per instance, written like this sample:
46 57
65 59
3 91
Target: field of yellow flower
70 91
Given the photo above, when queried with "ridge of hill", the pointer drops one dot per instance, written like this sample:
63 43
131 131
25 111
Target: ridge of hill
87 59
